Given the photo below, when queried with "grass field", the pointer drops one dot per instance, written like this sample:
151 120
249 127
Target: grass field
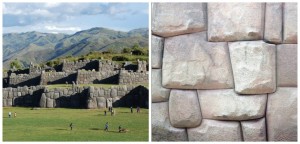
52 124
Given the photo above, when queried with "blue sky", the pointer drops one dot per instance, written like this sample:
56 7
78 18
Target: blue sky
73 17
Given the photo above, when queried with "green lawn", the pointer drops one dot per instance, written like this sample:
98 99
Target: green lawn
52 124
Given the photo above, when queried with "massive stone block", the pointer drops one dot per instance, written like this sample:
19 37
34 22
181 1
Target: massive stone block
161 127
235 21
157 47
170 19
184 108
254 130
158 93
213 130
43 100
253 65
49 103
282 115
227 105
190 62
273 22
290 23
287 65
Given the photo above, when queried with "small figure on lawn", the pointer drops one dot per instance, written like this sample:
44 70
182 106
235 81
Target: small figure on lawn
120 128
9 114
71 126
131 109
15 114
138 109
106 127
105 112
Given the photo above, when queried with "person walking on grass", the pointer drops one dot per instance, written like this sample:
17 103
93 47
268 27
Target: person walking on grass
9 114
106 127
105 112
15 114
71 126
131 109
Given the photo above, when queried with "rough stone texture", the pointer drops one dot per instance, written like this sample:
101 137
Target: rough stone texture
290 23
227 105
184 108
128 77
254 130
282 115
213 130
190 62
161 127
254 67
273 22
170 19
287 65
235 21
157 47
158 93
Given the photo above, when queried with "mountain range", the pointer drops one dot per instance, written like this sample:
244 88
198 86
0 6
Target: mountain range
40 47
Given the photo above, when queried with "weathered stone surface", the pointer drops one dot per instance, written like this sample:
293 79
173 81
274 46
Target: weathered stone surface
287 65
101 102
235 21
170 19
184 108
273 22
213 130
227 105
114 93
254 130
161 127
190 62
157 47
158 93
282 115
92 103
49 103
9 102
43 100
254 67
290 23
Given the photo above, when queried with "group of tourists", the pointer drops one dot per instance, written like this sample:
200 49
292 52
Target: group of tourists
9 115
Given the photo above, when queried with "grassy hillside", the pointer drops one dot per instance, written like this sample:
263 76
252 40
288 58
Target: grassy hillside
41 47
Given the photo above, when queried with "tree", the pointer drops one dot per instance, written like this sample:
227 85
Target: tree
16 63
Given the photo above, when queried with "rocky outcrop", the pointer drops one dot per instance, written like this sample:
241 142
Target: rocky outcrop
254 67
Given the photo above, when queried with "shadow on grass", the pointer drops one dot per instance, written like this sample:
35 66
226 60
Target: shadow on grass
95 129
60 129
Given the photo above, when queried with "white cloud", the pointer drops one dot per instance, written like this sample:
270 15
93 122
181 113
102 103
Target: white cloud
55 28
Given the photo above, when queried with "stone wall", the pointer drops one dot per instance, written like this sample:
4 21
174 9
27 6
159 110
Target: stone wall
22 96
24 79
57 78
117 96
74 97
130 77
142 66
81 64
94 77
224 72
107 65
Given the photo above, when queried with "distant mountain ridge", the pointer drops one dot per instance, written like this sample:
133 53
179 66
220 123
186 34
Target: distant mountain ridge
39 47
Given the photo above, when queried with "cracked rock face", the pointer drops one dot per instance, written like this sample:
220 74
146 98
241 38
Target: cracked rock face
158 93
161 127
235 21
157 46
287 65
184 108
254 130
227 105
190 62
171 19
213 130
290 23
253 66
282 115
